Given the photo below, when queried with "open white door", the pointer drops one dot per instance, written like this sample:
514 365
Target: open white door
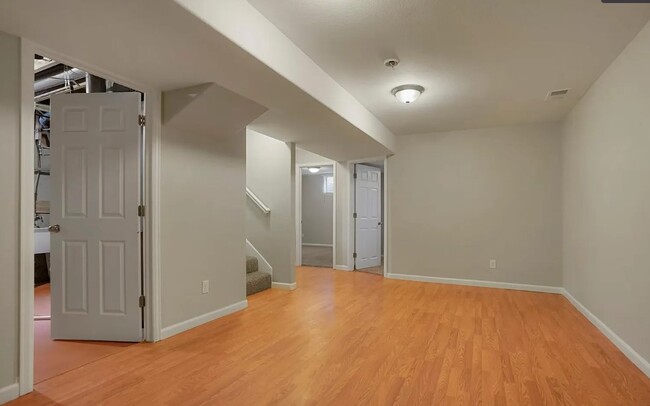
368 216
95 243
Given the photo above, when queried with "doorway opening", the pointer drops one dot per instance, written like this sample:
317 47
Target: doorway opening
368 216
316 214
88 138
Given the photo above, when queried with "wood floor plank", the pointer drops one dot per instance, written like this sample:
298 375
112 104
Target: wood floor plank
348 338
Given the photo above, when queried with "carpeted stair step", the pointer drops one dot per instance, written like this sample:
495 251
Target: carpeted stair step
251 264
257 282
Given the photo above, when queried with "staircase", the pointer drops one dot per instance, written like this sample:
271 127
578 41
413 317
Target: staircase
256 281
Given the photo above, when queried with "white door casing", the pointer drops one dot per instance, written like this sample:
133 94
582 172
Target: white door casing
368 226
95 257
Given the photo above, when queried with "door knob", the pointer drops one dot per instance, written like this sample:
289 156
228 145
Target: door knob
54 228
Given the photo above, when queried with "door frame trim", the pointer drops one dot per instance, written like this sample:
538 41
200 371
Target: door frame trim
151 179
299 209
385 202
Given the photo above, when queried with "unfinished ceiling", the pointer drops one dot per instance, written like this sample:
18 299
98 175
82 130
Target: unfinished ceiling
482 63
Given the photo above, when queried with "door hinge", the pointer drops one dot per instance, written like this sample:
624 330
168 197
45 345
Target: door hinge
142 301
142 120
355 175
354 255
141 210
354 215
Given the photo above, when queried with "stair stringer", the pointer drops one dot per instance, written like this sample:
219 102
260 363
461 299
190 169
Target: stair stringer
264 265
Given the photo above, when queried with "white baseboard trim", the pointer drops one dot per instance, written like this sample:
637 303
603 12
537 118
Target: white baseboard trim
316 245
342 268
284 286
625 348
8 393
264 265
477 283
202 319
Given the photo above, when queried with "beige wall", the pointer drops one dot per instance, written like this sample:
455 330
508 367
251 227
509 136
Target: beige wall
202 223
607 197
317 211
9 201
304 157
458 199
343 215
270 175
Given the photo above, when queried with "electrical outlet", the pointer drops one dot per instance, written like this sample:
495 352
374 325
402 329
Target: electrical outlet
206 287
493 264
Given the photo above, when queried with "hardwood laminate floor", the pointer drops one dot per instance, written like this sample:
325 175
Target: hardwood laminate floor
55 357
375 270
349 338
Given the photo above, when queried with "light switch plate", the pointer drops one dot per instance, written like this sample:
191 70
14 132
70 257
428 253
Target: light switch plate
493 264
205 287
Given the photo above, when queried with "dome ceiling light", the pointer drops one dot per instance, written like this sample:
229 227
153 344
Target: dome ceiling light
407 94
313 169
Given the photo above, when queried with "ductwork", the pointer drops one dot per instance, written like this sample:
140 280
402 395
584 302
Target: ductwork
95 84
63 79
49 80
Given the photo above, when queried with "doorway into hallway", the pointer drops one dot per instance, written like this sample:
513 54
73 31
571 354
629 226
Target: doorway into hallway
317 196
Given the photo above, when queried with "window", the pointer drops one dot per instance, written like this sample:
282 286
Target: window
328 184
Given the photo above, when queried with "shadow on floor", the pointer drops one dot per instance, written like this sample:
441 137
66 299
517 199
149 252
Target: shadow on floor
55 357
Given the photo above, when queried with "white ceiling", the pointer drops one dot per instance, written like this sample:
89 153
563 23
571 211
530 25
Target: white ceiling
483 63
163 45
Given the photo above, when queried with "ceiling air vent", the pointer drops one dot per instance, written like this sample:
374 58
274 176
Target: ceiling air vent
557 94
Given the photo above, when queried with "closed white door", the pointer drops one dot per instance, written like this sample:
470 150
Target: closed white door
368 217
95 253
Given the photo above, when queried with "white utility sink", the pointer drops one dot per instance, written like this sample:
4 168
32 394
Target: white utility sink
41 241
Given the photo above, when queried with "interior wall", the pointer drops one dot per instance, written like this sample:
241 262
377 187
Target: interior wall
459 199
304 157
10 100
343 215
270 175
317 211
202 223
606 195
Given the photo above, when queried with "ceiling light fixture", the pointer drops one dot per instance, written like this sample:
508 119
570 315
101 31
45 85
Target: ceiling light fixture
407 94
313 169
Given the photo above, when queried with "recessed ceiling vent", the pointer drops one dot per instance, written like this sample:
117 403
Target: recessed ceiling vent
557 94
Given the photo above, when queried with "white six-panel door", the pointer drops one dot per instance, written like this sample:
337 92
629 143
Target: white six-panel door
95 257
368 222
